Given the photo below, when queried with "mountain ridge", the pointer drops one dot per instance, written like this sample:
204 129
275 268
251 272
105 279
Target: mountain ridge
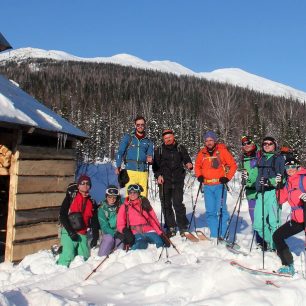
233 76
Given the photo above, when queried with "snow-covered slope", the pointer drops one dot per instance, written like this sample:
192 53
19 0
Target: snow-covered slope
232 76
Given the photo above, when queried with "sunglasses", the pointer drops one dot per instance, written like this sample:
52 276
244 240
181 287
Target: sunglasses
268 144
246 143
287 167
134 188
85 183
140 124
112 191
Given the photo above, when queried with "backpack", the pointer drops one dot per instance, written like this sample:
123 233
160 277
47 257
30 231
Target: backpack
160 151
126 149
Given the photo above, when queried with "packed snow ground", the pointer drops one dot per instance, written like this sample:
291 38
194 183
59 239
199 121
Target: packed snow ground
200 275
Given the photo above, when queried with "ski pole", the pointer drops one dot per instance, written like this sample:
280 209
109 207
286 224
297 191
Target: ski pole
238 213
220 214
263 225
252 241
97 267
164 235
194 206
234 210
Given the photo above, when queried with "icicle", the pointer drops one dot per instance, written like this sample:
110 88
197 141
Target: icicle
61 141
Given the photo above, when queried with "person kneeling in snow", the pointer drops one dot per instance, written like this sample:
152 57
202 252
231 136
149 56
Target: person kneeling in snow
137 223
75 214
295 193
107 215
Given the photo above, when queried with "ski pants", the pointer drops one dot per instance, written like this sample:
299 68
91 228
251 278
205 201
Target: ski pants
171 196
142 240
140 178
268 223
215 204
72 248
252 204
287 230
108 244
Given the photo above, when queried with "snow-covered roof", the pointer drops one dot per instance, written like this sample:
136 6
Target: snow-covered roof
18 107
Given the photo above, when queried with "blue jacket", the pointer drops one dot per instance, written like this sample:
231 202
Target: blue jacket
137 152
269 165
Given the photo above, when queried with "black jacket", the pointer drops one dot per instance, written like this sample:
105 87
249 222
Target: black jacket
169 162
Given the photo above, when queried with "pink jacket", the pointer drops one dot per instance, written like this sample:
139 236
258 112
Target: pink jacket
139 220
291 193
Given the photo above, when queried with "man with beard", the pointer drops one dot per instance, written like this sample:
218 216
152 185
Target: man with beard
214 167
170 161
136 151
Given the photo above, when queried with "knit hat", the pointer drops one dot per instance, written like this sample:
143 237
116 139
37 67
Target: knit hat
269 138
210 134
246 140
290 161
167 131
84 177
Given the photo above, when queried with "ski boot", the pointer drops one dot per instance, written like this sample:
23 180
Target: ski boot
287 269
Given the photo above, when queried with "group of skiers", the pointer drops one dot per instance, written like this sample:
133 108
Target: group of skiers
269 179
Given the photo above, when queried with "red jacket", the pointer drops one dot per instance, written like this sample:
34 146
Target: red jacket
212 167
139 219
76 206
291 193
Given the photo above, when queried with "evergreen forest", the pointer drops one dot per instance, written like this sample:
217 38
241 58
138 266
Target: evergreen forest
103 99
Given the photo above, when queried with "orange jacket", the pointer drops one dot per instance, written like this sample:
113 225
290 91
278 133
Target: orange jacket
212 167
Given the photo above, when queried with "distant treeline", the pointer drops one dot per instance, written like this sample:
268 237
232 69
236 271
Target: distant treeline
103 99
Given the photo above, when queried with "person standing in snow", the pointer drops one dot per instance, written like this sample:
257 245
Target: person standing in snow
249 173
270 175
107 215
294 191
136 151
75 215
170 161
214 167
137 223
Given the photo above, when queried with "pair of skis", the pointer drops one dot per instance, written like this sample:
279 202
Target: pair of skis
199 236
260 272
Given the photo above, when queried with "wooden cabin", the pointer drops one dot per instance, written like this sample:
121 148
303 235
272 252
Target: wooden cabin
37 162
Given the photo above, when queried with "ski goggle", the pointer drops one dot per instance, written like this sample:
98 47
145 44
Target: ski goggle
112 191
287 167
248 142
135 188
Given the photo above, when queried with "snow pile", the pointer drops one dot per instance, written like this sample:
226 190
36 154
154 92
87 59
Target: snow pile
17 107
200 275
233 76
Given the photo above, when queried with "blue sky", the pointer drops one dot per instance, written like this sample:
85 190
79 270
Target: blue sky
264 37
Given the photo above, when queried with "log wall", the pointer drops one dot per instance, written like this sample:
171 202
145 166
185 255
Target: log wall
38 180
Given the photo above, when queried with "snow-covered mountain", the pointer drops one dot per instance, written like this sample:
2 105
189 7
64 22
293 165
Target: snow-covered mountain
233 76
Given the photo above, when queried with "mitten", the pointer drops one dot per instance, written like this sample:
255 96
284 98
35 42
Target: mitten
223 180
201 179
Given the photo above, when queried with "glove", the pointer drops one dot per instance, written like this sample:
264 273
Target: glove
165 240
128 236
201 179
223 180
74 236
244 175
303 197
93 243
278 178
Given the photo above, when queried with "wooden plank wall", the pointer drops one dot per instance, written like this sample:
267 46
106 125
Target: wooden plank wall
38 180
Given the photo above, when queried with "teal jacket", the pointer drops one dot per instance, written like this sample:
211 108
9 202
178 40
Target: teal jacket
107 216
249 163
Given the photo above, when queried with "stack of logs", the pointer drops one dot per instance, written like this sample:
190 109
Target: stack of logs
5 157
